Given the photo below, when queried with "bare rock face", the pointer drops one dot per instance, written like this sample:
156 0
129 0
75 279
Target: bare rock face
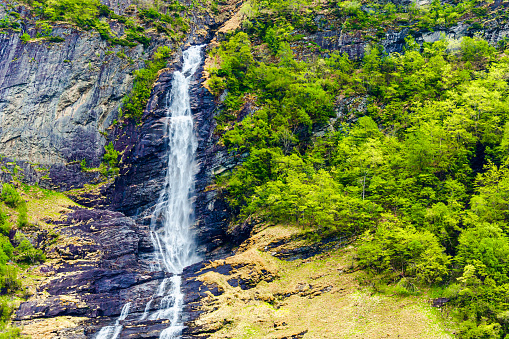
92 271
55 98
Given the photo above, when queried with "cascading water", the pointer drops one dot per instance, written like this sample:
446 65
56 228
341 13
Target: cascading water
174 212
112 332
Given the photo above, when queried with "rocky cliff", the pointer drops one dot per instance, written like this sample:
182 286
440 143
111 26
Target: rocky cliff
58 101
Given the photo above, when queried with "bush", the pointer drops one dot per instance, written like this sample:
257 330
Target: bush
22 216
475 49
26 253
25 37
470 330
110 160
134 103
81 12
485 247
6 250
10 196
55 39
5 310
9 281
11 333
83 165
149 13
5 226
400 249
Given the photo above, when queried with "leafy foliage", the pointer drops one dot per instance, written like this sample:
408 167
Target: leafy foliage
420 169
26 253
402 250
10 196
91 14
110 160
135 102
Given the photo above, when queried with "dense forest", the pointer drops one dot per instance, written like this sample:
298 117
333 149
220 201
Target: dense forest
413 163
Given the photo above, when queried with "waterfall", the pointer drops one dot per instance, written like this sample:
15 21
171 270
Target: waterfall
174 212
173 215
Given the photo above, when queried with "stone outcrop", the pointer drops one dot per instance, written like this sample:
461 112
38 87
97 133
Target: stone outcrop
93 270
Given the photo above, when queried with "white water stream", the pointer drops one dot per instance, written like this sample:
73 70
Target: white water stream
112 332
174 213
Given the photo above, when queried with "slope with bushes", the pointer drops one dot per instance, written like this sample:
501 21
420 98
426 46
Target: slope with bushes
415 172
26 214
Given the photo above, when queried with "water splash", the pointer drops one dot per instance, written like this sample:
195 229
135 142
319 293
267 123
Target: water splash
112 332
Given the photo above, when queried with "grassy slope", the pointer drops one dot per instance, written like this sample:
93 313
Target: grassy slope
44 207
317 298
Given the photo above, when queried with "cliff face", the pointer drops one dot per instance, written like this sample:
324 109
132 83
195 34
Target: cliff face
57 101
145 157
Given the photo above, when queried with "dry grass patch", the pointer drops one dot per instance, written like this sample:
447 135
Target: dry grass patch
314 298
49 327
45 205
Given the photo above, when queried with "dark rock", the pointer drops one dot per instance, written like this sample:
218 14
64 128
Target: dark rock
145 160
439 302
279 250
107 275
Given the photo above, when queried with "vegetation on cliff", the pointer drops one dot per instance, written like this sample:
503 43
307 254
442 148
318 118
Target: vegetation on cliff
406 151
18 212
136 101
170 20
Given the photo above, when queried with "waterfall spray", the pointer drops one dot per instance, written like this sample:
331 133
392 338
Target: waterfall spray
174 212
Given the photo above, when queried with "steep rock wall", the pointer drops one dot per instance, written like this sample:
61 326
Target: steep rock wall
57 99
92 292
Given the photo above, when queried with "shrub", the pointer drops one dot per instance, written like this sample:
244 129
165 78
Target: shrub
110 159
9 281
121 55
134 103
400 249
5 226
25 37
11 333
84 166
351 7
55 39
26 253
149 13
81 12
475 49
485 247
22 216
10 196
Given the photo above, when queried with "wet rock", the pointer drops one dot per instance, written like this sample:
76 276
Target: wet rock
95 270
142 177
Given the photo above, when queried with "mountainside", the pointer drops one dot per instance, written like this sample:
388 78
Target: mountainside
349 169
